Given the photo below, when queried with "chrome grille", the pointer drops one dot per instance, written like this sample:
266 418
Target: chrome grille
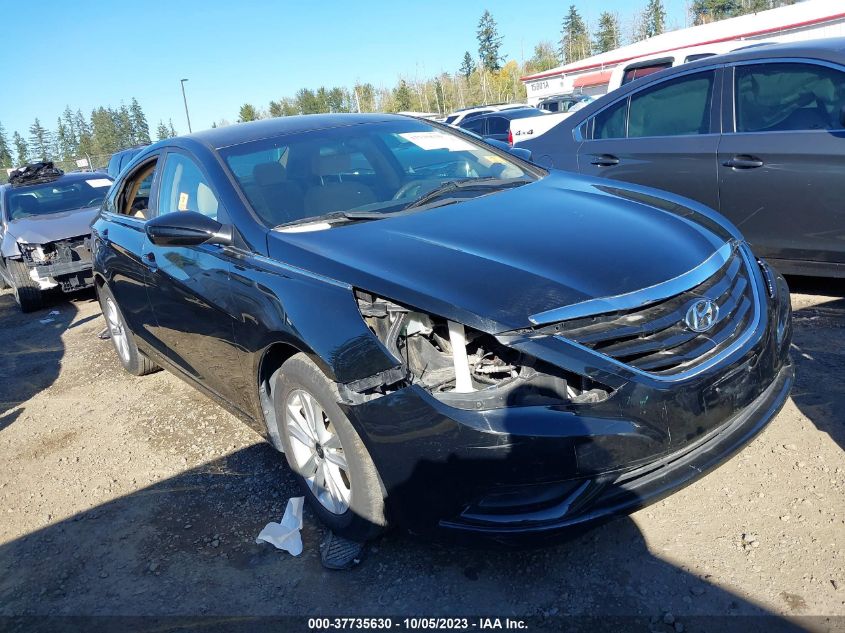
656 339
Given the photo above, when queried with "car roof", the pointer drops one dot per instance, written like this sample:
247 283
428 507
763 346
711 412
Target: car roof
513 113
828 49
238 133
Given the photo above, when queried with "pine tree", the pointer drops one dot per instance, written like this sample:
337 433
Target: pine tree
704 11
123 127
247 113
5 149
64 140
161 131
84 135
574 39
72 134
104 131
140 128
489 42
608 36
39 141
652 21
402 97
467 66
21 149
171 130
307 101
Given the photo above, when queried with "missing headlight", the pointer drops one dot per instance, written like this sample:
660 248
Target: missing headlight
467 368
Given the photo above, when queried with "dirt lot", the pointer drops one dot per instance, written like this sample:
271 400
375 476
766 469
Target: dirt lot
132 496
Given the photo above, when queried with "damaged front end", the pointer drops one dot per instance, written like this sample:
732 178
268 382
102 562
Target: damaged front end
463 367
63 263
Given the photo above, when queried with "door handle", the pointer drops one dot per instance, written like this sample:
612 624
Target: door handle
743 161
150 260
605 160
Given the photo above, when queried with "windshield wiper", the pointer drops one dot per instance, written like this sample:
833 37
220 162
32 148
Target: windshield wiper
465 184
334 216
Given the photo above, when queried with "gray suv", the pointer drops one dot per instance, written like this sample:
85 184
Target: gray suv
45 231
757 134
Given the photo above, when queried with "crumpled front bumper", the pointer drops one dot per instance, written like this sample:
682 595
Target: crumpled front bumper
71 269
521 471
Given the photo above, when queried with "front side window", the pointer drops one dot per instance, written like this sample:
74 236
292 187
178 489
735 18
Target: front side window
610 122
371 169
185 188
785 96
677 107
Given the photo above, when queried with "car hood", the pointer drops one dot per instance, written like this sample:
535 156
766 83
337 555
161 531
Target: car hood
41 229
493 261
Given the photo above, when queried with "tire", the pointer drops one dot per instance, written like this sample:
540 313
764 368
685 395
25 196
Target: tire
133 360
363 516
4 266
27 292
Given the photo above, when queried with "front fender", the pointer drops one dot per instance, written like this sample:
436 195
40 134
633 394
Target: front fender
275 303
9 246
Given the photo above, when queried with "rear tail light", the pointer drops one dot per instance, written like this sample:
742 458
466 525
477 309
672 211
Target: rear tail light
510 137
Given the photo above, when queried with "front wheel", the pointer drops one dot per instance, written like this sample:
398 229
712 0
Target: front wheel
133 360
323 449
27 291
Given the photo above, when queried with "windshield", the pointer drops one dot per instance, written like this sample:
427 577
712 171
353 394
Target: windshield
375 168
54 197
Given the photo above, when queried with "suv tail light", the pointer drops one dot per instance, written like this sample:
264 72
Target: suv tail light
510 137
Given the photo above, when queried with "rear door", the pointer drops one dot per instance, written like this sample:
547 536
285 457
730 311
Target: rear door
782 158
188 286
664 135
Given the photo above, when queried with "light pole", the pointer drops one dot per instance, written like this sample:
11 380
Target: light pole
185 99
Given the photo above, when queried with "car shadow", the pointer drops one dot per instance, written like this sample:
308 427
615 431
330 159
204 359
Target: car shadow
817 343
184 548
32 348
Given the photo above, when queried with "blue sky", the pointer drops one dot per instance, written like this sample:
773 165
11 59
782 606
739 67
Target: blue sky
248 51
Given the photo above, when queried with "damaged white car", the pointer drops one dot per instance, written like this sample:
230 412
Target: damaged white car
45 230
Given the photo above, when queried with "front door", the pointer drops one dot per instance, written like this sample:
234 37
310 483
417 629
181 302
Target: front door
665 136
120 236
782 164
189 289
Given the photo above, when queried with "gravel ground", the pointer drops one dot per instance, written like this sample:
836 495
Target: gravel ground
139 496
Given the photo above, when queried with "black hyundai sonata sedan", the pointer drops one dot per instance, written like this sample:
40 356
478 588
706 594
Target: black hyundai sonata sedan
436 333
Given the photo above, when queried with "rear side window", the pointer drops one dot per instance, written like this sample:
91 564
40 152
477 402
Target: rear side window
473 125
784 96
497 125
134 198
610 122
672 108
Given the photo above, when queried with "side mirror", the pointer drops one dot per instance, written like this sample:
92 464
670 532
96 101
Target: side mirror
187 228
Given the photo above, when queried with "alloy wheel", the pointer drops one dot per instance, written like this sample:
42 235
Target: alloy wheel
317 451
118 332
